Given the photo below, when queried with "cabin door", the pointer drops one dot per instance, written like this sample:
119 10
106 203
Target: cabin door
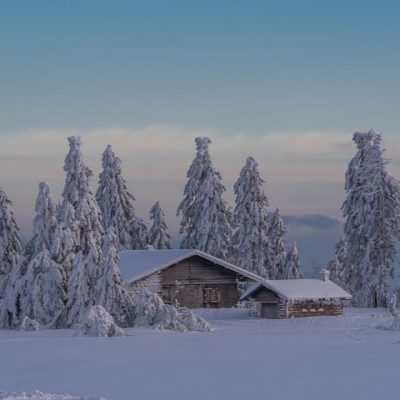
269 310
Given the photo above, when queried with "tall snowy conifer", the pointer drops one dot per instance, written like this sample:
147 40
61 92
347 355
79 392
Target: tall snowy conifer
10 240
116 204
81 218
110 291
292 269
10 261
158 235
206 218
276 252
251 220
371 211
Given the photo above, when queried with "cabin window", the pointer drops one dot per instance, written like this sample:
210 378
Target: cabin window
210 295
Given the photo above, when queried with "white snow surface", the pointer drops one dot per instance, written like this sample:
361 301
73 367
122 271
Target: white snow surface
137 264
42 396
298 289
315 358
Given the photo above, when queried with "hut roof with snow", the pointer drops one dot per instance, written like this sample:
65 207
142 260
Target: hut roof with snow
300 289
138 264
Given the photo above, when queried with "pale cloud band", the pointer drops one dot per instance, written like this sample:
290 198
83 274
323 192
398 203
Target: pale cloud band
304 171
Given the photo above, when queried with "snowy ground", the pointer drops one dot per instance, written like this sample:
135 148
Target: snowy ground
325 358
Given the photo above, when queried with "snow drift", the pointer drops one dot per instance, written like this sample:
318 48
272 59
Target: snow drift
43 396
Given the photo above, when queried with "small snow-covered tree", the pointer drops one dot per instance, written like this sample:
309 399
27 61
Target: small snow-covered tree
394 307
78 298
251 220
44 223
48 291
292 269
110 291
371 211
158 235
116 202
206 218
65 241
276 252
138 230
336 266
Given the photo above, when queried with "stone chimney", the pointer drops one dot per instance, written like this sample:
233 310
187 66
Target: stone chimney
324 274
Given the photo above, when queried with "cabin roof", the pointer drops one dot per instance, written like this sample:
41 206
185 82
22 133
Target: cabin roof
300 289
138 264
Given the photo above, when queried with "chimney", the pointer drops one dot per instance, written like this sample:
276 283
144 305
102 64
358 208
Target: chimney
324 274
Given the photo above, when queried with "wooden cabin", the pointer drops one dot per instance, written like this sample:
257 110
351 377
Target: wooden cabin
188 278
296 298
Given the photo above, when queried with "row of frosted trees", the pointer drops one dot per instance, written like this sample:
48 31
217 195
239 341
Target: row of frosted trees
70 263
249 236
365 257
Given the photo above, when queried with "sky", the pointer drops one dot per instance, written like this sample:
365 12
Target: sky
287 82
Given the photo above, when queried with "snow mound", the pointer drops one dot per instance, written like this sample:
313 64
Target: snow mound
98 322
28 324
150 310
43 396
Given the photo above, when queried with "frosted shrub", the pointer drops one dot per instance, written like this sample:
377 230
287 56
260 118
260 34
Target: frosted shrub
98 322
150 310
148 307
28 324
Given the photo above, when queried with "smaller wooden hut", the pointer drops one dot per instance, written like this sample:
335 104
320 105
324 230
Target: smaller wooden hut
296 298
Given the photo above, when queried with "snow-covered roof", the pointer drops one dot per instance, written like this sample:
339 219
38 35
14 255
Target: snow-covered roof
138 264
300 289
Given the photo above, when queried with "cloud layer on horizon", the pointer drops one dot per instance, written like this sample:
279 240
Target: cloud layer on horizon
303 171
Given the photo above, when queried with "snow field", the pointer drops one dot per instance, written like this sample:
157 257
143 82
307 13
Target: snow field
325 358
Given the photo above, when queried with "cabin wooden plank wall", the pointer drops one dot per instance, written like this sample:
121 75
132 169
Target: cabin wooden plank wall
152 282
194 283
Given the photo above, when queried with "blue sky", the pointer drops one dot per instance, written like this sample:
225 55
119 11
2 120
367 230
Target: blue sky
287 82
251 66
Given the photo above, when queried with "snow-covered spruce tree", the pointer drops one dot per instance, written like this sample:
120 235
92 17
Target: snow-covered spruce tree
10 240
251 220
80 215
138 230
276 252
117 203
206 218
336 266
371 211
38 286
292 269
110 292
10 259
158 233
